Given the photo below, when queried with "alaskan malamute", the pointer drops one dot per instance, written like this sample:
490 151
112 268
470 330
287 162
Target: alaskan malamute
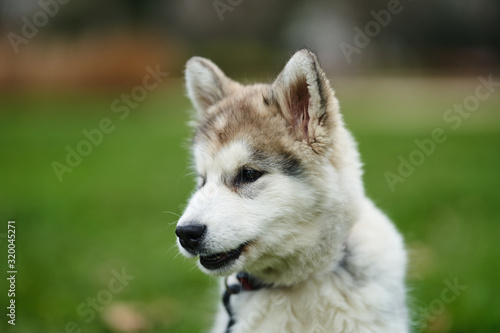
280 211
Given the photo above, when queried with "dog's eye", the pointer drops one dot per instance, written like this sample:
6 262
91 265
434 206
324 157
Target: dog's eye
248 175
201 182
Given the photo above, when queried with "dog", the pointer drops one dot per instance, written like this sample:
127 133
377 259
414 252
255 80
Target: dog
280 212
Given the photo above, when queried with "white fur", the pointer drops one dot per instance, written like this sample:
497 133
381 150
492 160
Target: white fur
336 262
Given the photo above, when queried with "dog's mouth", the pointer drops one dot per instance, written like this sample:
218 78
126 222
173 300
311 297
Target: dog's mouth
222 259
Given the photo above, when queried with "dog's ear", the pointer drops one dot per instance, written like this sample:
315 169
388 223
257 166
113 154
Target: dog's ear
305 96
206 84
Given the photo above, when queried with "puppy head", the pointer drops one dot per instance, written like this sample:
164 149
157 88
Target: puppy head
267 188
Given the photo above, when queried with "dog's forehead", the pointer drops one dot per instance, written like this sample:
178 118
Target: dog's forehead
225 160
245 116
241 129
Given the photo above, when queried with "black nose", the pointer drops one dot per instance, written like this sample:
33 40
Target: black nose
190 235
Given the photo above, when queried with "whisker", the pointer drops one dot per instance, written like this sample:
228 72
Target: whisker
169 212
171 247
173 222
190 173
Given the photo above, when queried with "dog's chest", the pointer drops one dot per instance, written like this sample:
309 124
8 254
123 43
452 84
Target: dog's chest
317 306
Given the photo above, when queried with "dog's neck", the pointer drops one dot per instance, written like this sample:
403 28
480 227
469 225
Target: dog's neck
295 274
321 258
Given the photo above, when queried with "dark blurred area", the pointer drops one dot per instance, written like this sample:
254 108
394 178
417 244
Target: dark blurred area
89 44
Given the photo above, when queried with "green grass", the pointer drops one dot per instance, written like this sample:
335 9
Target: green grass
117 209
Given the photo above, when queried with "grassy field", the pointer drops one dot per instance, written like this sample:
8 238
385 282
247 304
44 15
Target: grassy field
117 209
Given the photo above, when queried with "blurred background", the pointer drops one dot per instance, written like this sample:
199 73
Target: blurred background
94 158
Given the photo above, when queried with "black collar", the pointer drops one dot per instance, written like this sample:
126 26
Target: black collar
246 283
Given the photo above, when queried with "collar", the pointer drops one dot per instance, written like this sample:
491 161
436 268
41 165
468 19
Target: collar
246 282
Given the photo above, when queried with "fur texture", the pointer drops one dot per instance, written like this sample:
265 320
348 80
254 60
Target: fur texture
280 196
